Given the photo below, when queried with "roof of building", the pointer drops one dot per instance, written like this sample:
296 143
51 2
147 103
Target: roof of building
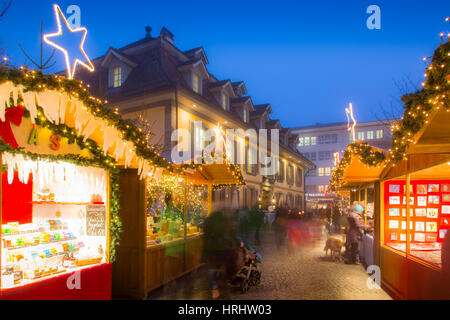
160 66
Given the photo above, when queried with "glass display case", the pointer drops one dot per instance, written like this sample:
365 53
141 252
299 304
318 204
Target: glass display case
174 210
429 218
54 220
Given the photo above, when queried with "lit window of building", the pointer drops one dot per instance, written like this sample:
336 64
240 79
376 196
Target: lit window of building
307 141
224 105
322 188
360 135
117 77
198 138
321 172
313 141
300 142
195 83
369 135
328 171
380 134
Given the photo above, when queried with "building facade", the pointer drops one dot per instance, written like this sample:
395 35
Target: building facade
319 143
169 89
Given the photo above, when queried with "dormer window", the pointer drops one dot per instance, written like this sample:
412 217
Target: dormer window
245 115
117 77
195 83
224 101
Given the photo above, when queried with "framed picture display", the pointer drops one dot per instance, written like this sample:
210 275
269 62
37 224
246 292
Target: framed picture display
411 212
433 188
394 236
445 197
394 188
433 199
420 226
442 233
393 224
431 237
421 212
419 237
422 201
431 226
421 189
445 187
445 209
394 200
394 212
445 222
403 237
432 213
411 201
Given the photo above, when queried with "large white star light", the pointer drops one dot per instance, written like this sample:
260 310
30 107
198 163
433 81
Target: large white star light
71 65
351 118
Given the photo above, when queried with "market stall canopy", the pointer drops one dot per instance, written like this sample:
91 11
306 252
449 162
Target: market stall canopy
434 136
214 174
362 163
358 172
64 105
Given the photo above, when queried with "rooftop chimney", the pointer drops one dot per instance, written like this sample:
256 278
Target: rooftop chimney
148 30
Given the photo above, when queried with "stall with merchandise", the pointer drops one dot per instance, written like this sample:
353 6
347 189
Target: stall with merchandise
413 192
163 225
357 179
59 150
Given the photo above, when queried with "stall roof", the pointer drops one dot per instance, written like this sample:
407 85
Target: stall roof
358 173
215 174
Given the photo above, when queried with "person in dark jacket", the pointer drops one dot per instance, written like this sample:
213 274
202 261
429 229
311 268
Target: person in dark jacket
354 234
220 247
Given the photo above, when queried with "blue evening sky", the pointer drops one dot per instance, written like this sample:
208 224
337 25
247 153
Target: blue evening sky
309 59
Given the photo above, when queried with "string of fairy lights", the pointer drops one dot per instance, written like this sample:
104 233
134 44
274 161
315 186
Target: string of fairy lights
419 108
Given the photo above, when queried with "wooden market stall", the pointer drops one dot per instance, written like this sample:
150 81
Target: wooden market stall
359 182
162 224
59 207
410 258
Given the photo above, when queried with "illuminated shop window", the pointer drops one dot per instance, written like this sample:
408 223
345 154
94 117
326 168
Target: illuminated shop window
429 218
54 220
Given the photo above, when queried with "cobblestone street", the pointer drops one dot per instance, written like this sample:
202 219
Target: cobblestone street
304 274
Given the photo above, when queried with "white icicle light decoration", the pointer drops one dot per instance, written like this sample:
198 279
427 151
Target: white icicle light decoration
69 182
49 101
56 104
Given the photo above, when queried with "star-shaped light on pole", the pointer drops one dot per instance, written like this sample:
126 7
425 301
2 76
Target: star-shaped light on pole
71 68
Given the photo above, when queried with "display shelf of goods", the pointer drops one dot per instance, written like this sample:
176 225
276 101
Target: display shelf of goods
429 218
41 240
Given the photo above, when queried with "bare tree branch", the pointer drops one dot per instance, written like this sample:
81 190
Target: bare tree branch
3 12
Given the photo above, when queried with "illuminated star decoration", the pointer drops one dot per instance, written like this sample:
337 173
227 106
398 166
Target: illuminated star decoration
351 128
71 65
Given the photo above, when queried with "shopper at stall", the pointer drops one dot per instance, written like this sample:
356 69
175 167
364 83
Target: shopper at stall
354 234
219 248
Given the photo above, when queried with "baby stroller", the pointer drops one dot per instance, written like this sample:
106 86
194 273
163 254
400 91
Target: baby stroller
249 273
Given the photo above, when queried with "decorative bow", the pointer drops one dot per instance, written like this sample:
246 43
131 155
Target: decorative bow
12 115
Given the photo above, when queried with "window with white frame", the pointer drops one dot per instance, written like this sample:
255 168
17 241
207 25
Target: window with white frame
117 77
361 135
327 171
225 102
369 135
307 141
380 134
195 83
313 141
300 142
321 172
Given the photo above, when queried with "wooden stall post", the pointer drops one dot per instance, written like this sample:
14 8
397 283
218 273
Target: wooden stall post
209 199
365 205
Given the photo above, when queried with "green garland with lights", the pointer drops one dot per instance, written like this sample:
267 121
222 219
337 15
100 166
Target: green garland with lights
418 106
366 153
